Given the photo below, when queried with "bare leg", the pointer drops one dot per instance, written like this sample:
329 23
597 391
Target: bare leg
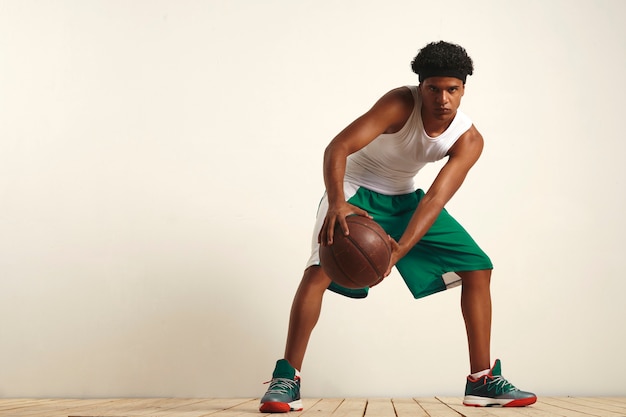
476 307
305 311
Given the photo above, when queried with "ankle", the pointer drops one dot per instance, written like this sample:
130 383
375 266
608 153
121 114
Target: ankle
479 374
296 365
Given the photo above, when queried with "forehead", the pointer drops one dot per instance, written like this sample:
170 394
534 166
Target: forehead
442 82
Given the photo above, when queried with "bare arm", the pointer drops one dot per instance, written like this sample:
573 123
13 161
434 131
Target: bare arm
462 156
388 115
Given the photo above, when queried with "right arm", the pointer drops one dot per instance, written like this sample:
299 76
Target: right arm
388 115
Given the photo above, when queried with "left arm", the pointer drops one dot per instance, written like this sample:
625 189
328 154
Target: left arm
462 156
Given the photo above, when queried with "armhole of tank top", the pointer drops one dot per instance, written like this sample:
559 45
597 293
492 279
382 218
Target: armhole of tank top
464 122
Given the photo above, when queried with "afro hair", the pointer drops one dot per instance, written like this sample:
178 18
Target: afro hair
442 56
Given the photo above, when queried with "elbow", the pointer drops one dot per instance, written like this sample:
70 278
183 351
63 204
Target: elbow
334 151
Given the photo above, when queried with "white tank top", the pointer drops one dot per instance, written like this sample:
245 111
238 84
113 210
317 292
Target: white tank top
390 162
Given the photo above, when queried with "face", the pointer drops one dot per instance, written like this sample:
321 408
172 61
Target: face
441 96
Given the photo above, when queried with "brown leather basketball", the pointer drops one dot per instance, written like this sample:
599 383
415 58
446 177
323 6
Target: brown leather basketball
359 259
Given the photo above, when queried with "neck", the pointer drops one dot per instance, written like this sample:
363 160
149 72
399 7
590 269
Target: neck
436 125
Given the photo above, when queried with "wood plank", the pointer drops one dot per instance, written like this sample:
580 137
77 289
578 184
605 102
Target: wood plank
435 408
62 410
207 407
39 403
568 404
190 407
322 408
17 403
53 408
619 399
408 407
456 404
555 410
120 407
602 405
111 406
166 406
160 407
617 402
246 408
351 407
379 407
13 403
614 400
309 402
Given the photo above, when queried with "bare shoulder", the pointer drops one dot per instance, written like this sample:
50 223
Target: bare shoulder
400 97
470 144
472 135
396 106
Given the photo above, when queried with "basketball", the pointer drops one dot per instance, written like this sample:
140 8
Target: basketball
359 259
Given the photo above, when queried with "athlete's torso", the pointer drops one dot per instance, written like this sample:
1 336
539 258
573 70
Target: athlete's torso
390 162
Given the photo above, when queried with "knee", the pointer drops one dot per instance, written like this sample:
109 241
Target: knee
476 279
315 278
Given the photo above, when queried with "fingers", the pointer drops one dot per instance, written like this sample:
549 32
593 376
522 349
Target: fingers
361 212
386 273
330 231
344 225
337 216
395 246
327 233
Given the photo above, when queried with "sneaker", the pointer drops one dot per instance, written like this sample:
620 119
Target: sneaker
492 390
283 394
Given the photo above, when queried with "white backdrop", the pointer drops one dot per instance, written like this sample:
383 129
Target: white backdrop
160 168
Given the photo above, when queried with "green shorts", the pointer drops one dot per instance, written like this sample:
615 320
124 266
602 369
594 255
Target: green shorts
445 248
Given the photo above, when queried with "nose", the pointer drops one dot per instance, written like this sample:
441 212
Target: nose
442 97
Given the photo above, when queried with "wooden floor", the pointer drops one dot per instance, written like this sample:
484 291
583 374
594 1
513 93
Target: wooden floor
378 407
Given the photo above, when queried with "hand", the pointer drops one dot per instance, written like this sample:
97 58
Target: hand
337 214
396 255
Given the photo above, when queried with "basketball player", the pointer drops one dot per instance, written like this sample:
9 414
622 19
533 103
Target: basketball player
368 170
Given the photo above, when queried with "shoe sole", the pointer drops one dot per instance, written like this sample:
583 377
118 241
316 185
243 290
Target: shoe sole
474 401
278 407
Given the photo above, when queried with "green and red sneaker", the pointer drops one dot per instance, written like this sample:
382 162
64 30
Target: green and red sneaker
492 390
283 394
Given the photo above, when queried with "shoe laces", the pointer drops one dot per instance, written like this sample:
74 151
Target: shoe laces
281 385
500 384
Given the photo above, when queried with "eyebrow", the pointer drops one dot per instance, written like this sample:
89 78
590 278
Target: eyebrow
444 88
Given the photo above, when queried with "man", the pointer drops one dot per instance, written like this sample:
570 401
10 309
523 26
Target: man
368 170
